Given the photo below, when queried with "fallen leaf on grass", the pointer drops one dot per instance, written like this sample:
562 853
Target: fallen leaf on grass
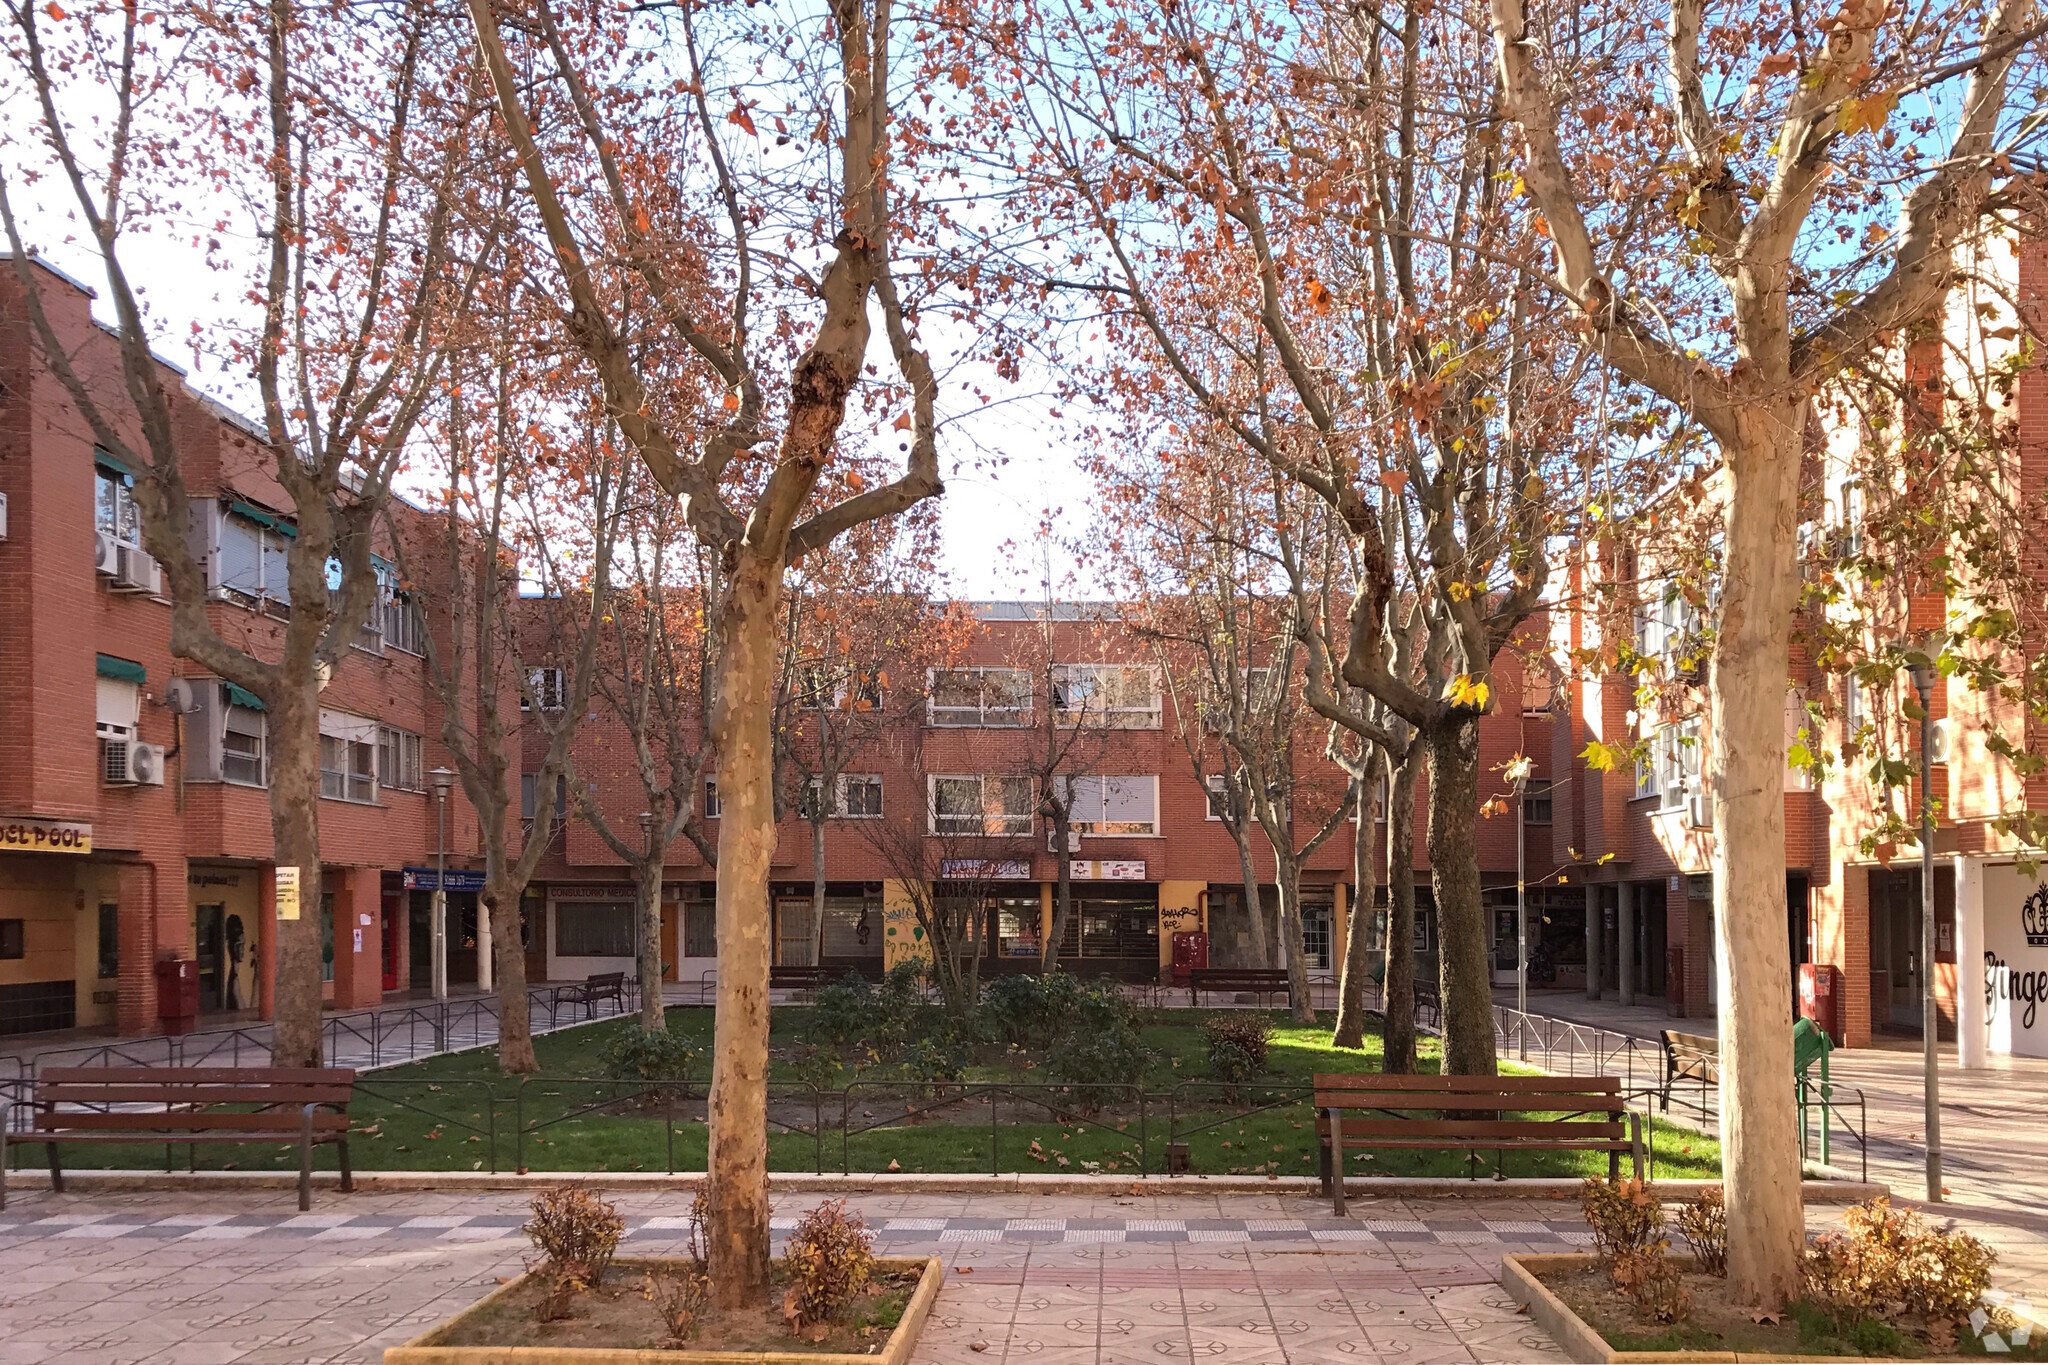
963 1270
895 1165
1766 1315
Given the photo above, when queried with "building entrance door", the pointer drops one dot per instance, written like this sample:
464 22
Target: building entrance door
209 946
394 923
793 933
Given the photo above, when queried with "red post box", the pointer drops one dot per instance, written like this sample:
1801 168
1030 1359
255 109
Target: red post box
1190 950
177 994
1820 997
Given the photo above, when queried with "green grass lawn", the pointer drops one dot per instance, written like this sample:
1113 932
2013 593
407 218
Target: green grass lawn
456 1113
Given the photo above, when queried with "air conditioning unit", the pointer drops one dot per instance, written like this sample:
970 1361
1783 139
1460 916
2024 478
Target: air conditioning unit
105 553
135 571
1938 745
1052 841
145 764
1699 811
182 695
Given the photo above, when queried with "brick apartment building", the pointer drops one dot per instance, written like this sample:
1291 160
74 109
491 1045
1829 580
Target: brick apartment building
135 822
1844 908
134 815
1152 859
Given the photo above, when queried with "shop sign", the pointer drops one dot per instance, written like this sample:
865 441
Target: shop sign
27 834
981 869
1107 870
287 893
427 879
2015 981
582 891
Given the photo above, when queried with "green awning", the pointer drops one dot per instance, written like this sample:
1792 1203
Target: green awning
238 696
380 562
263 518
108 462
122 670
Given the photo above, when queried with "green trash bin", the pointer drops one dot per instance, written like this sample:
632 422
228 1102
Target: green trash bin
1811 1044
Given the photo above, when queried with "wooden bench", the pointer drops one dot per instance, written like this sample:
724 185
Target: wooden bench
1688 1057
1265 982
306 1105
804 980
1494 1113
593 988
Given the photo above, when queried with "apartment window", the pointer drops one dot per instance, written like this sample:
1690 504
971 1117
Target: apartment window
1677 754
1539 685
1115 696
1536 801
13 939
981 805
1798 730
1219 795
1854 708
242 746
838 686
253 546
979 697
110 941
1019 927
348 757
700 928
712 805
120 705
529 794
401 756
403 628
860 796
544 685
594 929
114 511
1115 805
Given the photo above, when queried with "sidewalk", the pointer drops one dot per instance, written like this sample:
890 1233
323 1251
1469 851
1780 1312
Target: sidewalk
1994 1144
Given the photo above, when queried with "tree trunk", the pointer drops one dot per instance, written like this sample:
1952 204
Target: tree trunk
1301 1007
737 1181
647 900
1062 899
295 830
1351 975
818 888
1254 905
1397 988
515 1031
1465 964
1759 1135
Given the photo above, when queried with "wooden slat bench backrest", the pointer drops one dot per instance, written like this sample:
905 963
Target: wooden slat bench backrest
1692 1054
189 1087
1378 1106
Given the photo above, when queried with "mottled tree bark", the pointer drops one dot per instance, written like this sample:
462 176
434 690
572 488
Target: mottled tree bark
1398 995
1464 962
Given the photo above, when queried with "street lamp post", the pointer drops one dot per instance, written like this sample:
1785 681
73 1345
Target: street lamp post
444 781
1518 773
1921 666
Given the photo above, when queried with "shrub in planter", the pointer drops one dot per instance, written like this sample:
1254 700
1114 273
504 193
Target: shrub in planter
1250 1033
936 1058
1887 1261
681 1300
1703 1222
1652 1283
897 1011
830 1261
636 1054
576 1234
843 1010
1232 1065
1623 1215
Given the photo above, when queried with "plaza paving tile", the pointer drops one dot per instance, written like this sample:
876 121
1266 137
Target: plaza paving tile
1105 1281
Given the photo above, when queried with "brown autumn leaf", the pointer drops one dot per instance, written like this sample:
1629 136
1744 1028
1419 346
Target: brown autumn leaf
1772 1316
902 423
1778 64
740 116
54 10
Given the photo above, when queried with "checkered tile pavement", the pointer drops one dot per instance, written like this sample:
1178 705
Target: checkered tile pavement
892 1232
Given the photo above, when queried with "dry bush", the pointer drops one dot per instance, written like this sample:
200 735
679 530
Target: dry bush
1652 1283
1249 1031
1623 1215
575 1232
700 1219
559 1291
1703 1222
680 1299
830 1261
1888 1262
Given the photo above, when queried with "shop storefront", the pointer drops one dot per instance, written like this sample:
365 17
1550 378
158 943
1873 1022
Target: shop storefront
59 927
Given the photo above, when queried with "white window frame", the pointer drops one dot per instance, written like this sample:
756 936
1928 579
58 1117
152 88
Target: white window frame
353 741
847 781
127 527
956 717
404 629
117 720
1091 828
270 544
1678 762
230 716
1107 717
1217 791
713 807
406 769
994 824
546 684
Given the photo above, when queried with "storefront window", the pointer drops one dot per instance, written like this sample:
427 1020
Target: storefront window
1019 931
700 928
594 929
1315 936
